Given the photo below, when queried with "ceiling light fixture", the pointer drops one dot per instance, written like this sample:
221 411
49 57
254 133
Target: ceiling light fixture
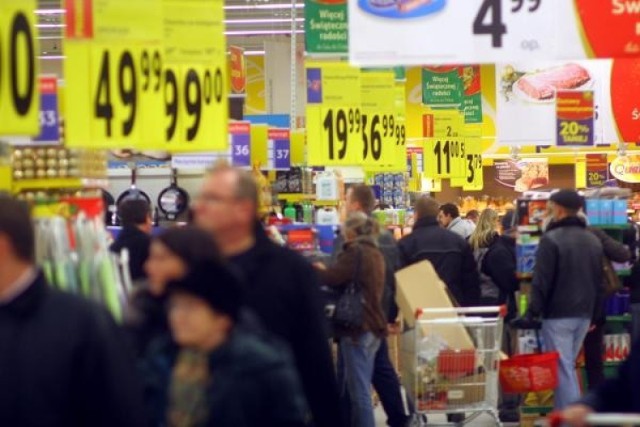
261 21
261 32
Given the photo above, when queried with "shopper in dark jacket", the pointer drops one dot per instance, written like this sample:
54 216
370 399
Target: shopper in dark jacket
496 263
614 251
63 361
281 287
135 235
360 198
616 395
567 287
214 373
172 254
360 262
449 253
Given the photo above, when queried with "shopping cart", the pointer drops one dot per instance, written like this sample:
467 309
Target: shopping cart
599 420
457 359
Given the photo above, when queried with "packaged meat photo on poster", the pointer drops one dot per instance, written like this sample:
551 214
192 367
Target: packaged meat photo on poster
527 104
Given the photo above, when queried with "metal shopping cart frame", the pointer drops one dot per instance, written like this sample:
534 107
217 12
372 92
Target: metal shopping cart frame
456 362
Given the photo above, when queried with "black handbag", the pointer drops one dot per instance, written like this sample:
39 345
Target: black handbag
349 309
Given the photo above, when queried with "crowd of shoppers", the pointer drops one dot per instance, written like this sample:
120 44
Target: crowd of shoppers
228 328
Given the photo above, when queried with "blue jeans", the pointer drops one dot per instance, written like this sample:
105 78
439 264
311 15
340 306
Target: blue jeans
387 385
566 337
358 357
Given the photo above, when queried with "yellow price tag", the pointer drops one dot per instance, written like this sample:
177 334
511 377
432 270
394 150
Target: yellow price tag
444 157
342 135
19 97
381 134
474 173
195 107
125 84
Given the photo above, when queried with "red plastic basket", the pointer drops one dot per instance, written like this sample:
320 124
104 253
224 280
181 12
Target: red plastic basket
456 363
529 372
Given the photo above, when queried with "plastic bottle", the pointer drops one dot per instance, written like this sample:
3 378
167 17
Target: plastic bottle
307 212
290 212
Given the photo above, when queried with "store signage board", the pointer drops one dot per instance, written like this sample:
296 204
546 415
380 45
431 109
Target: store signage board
486 31
196 81
333 114
473 178
19 98
626 168
279 149
240 143
575 116
326 26
238 66
113 74
49 115
597 170
523 175
444 157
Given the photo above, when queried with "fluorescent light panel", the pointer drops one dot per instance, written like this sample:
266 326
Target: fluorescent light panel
230 7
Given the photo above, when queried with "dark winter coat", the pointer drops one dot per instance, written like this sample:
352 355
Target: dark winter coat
619 394
450 255
568 274
499 264
145 320
370 277
252 384
282 288
64 363
389 248
137 242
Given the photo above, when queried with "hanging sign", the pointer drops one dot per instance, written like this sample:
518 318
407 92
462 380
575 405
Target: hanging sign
472 178
490 31
597 170
195 76
626 168
472 93
523 175
444 157
49 116
238 76
325 26
240 143
113 74
19 99
333 114
279 149
575 117
442 87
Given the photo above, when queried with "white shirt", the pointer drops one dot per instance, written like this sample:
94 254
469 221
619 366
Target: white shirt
19 286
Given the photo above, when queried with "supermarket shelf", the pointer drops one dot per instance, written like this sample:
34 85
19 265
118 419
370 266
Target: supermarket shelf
611 226
58 184
619 319
326 202
296 197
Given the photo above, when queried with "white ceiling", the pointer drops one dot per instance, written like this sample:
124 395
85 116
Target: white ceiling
249 24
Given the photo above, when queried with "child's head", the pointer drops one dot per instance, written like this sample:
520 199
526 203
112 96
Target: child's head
204 306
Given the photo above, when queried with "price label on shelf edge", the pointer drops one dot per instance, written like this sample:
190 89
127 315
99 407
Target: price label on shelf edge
49 115
19 97
279 149
240 143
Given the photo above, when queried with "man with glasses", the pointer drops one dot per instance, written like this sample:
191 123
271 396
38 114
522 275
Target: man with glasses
282 287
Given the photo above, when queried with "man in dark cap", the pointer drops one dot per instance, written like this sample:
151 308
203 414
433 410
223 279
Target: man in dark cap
566 288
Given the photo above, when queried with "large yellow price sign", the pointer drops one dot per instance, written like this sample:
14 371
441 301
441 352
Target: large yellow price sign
342 134
444 157
195 106
126 90
381 134
19 99
474 173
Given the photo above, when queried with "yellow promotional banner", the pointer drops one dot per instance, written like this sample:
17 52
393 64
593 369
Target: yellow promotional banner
474 174
259 144
196 76
379 124
297 147
444 157
334 118
581 172
19 95
113 74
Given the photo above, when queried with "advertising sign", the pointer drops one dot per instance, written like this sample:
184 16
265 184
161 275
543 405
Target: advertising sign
49 116
575 113
523 175
325 26
240 143
626 169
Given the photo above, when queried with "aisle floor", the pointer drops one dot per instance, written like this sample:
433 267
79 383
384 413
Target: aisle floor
482 421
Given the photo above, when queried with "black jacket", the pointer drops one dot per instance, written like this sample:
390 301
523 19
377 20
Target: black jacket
137 242
568 274
619 394
64 363
253 384
499 264
145 320
450 255
283 289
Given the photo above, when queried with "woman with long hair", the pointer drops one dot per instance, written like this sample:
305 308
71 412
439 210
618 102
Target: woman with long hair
496 262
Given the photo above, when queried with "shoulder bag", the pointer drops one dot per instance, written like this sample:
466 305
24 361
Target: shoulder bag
349 311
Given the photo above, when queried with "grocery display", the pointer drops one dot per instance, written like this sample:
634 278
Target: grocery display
493 104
